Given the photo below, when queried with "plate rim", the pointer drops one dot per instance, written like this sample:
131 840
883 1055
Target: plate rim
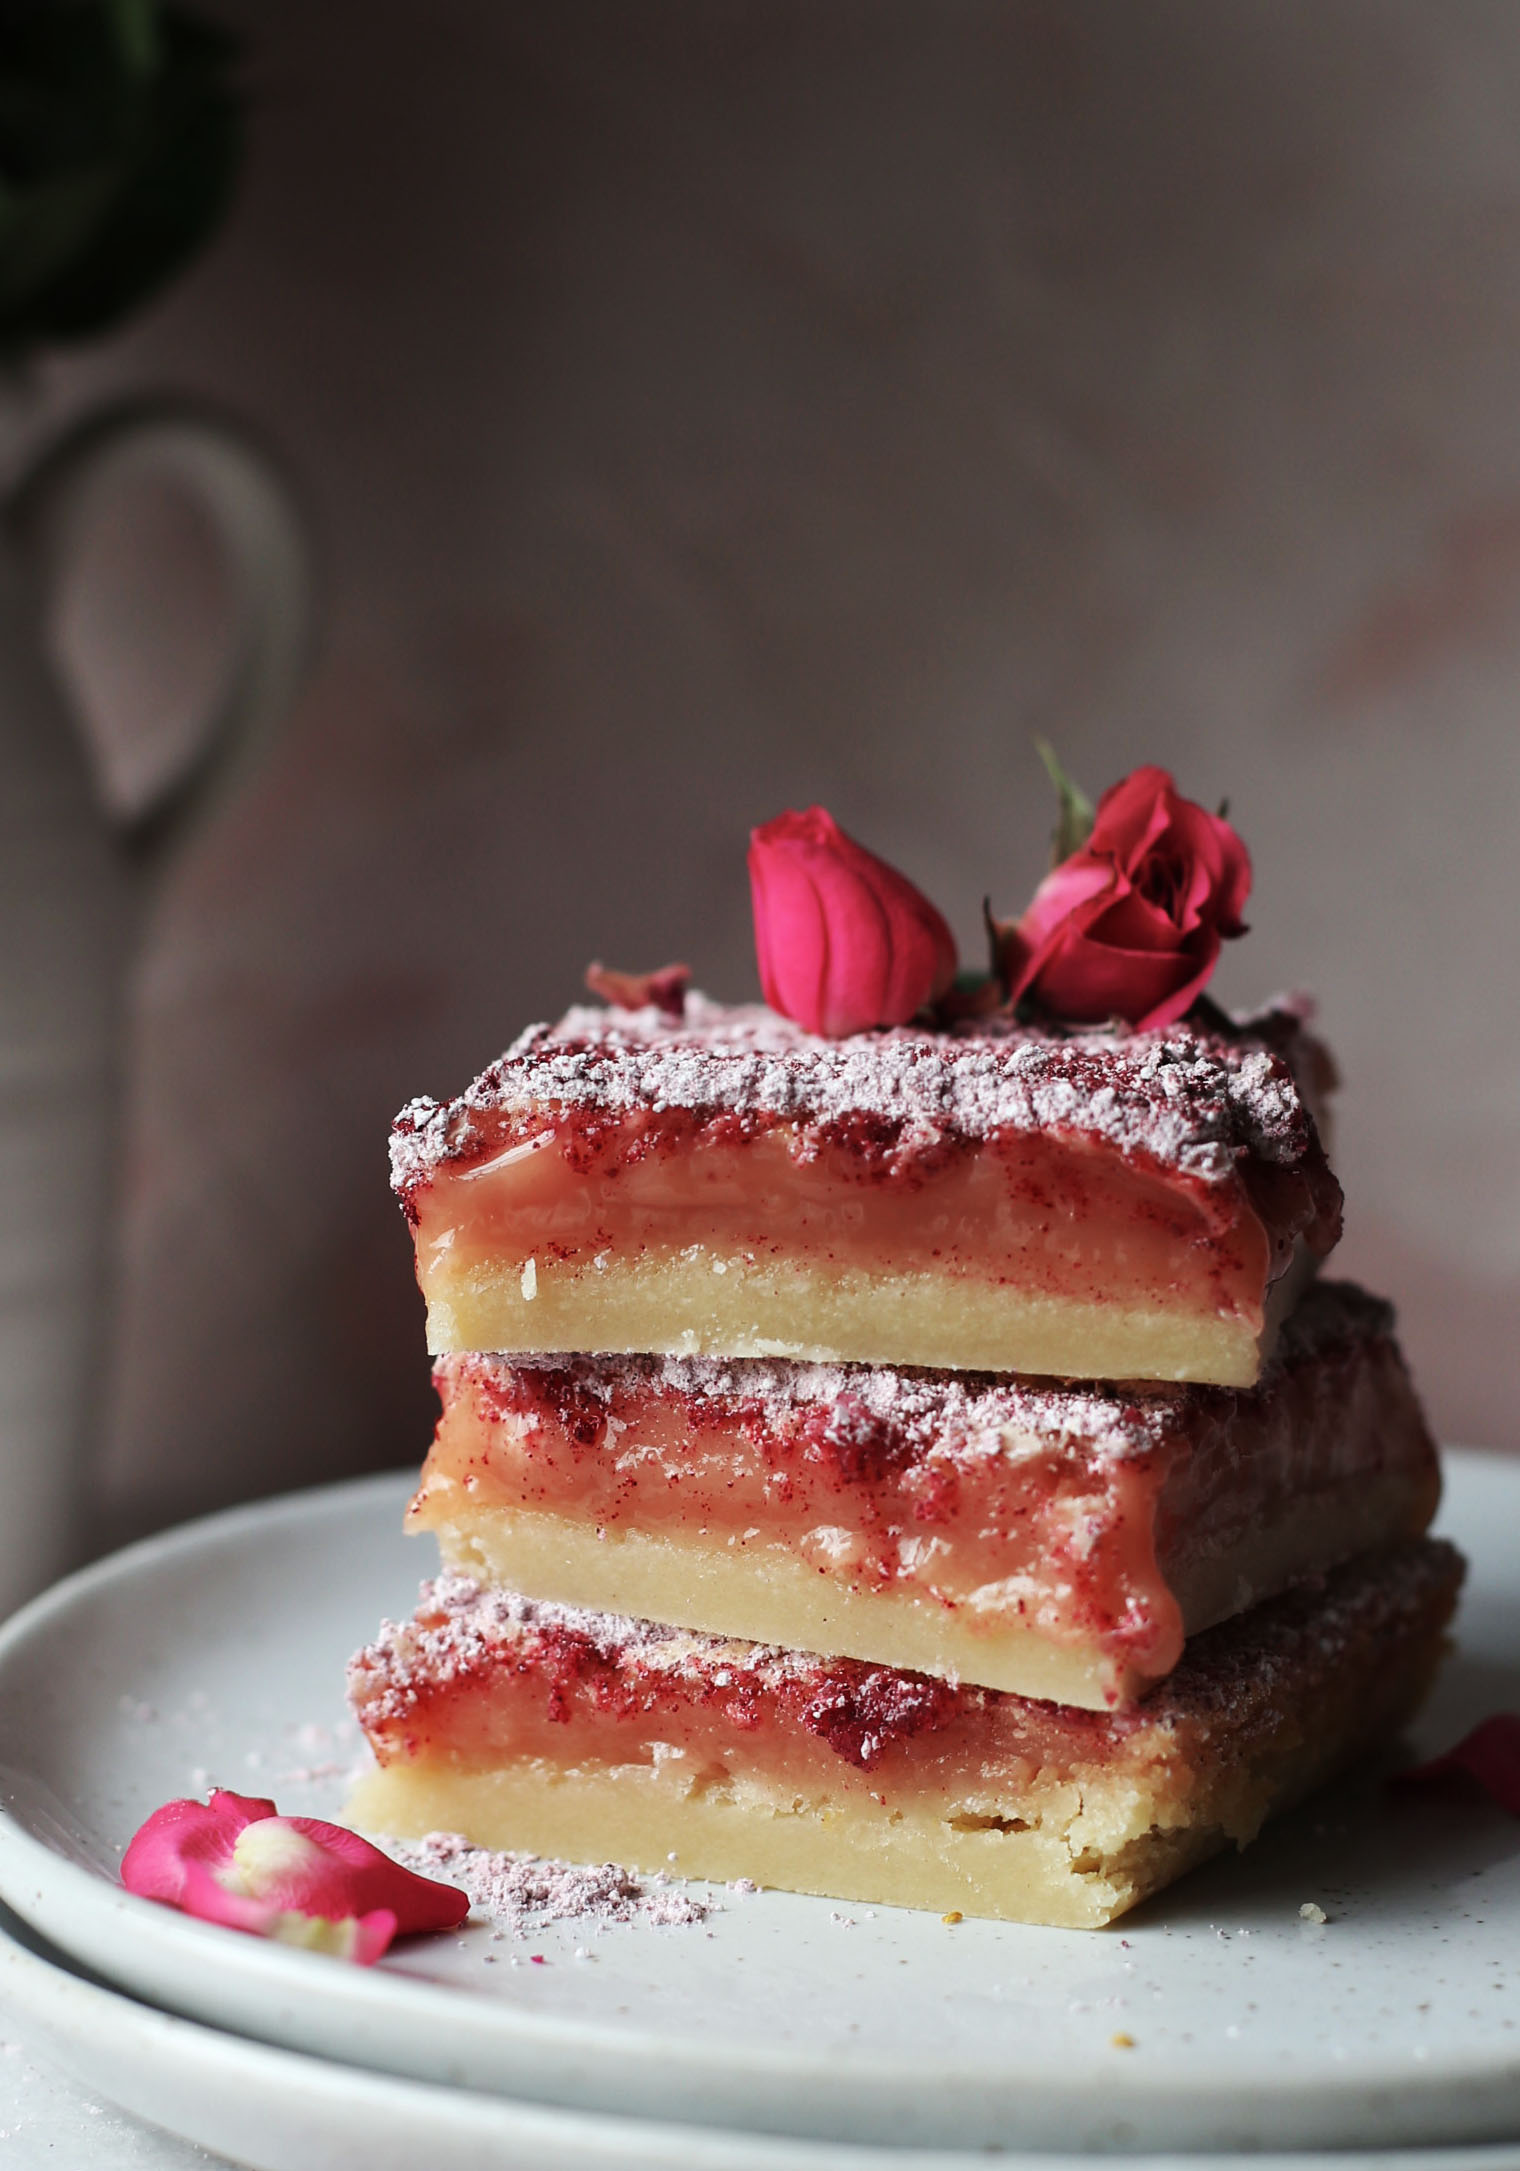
68 2008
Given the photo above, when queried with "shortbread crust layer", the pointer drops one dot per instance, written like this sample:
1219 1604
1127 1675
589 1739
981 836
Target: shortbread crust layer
1046 1540
588 1736
1093 1206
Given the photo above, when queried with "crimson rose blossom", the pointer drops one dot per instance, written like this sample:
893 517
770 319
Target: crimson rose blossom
237 1861
1130 925
844 941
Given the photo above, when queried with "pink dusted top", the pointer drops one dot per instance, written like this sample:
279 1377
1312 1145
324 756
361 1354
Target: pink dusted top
1198 1102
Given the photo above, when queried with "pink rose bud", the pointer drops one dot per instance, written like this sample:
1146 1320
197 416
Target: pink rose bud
844 941
237 1861
1130 925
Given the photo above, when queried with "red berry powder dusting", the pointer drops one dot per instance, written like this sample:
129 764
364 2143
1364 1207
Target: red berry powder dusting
519 1893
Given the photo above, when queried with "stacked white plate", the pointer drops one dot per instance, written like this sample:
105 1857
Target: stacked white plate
781 2032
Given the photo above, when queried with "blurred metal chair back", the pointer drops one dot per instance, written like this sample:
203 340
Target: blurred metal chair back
74 879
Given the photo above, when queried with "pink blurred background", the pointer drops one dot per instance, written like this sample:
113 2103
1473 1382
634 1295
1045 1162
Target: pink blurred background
715 407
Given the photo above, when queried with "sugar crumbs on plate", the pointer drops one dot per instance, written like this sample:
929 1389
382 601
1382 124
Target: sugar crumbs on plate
521 1892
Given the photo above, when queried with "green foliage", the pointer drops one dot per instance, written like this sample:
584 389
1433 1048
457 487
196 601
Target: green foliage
1075 821
121 134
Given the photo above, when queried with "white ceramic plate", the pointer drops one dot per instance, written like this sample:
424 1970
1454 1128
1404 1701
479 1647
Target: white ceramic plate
217 1652
276 2111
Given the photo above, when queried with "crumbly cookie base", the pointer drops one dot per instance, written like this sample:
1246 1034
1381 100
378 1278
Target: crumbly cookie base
701 1302
906 1857
768 1595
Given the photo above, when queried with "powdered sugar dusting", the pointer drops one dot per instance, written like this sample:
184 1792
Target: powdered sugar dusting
462 1628
1189 1099
519 1893
959 1416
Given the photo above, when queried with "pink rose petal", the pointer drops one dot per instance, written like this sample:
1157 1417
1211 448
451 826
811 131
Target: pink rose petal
236 1861
1489 1755
663 990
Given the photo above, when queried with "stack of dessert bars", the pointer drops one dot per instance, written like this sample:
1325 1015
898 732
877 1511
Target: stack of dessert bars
919 1468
